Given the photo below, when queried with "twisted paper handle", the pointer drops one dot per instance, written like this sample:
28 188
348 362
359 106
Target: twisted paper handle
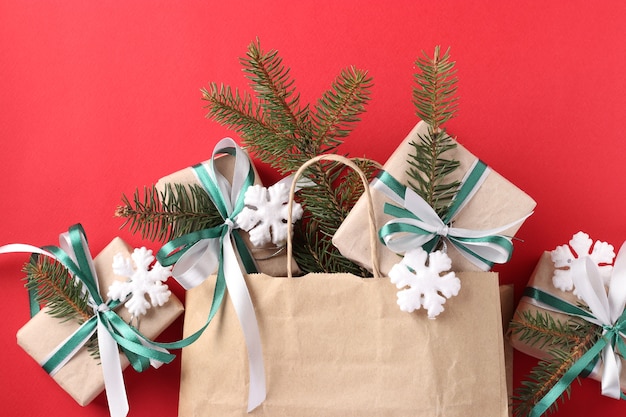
370 209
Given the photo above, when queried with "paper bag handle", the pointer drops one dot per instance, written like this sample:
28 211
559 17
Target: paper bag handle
370 208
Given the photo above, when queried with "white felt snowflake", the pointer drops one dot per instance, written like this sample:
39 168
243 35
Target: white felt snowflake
602 255
421 273
142 281
265 214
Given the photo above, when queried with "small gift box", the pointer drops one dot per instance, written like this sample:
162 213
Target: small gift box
542 280
269 259
573 317
496 203
82 376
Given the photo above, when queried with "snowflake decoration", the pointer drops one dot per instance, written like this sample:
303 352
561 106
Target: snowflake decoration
265 214
142 281
426 287
602 255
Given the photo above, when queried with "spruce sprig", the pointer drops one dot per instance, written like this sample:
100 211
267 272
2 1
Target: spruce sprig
164 215
568 342
284 133
541 330
435 100
63 296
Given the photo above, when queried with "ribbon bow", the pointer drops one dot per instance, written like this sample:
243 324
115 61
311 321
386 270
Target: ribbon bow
111 329
417 224
199 254
606 311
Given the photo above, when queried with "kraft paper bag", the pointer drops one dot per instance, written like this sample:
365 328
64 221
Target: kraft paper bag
82 376
541 278
507 305
269 260
338 345
498 202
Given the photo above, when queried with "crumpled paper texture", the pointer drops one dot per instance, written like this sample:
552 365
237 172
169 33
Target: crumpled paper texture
338 345
82 376
269 260
541 278
498 202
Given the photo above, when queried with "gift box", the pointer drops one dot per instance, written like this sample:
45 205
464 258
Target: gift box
541 279
82 376
268 259
496 203
338 345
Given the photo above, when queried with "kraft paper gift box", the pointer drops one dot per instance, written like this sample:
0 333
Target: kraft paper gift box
497 203
82 376
541 279
338 345
268 260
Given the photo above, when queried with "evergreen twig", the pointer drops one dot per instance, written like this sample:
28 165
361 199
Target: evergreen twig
64 296
435 100
164 215
282 132
568 341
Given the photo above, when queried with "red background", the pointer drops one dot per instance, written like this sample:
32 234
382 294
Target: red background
98 98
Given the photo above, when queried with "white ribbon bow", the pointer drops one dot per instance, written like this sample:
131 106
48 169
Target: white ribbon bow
606 309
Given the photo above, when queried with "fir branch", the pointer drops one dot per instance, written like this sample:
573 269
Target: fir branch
571 341
338 109
270 79
434 96
63 296
57 289
164 215
541 330
282 132
435 102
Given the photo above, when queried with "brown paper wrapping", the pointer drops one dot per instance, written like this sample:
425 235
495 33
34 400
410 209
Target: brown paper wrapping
338 345
542 279
268 261
82 376
498 202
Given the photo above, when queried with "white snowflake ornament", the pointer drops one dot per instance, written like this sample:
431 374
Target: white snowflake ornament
427 288
265 215
142 281
602 255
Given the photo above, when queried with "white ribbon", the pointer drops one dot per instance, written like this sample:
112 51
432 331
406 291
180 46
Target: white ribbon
606 310
432 223
201 260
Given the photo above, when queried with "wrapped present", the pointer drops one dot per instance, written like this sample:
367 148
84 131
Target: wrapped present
268 258
80 374
491 214
580 319
339 345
